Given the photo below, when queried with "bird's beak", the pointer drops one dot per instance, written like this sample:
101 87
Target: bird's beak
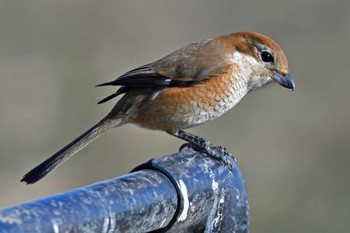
283 80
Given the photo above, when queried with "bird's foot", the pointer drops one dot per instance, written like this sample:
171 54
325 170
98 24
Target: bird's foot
219 152
204 146
215 151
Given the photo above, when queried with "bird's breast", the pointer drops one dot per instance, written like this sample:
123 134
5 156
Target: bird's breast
184 107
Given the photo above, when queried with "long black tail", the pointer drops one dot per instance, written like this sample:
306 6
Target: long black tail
69 150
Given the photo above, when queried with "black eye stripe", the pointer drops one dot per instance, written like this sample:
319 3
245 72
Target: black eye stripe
267 57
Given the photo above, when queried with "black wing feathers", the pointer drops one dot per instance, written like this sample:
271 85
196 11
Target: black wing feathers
142 76
121 90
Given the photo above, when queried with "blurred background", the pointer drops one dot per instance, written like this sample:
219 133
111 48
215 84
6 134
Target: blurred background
293 148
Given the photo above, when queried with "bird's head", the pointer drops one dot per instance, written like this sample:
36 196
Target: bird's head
260 59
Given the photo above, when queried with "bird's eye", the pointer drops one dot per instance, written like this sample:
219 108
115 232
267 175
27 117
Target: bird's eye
267 57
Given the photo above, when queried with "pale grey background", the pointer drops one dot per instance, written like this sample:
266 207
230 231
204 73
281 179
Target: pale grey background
292 147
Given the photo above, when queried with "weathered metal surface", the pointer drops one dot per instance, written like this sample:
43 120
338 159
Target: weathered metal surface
183 192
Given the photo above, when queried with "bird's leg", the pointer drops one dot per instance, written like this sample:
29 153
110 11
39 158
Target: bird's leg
197 142
200 144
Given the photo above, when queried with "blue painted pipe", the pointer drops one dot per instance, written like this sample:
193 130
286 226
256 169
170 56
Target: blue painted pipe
184 192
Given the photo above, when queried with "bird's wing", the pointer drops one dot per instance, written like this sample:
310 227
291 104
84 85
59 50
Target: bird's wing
182 68
142 76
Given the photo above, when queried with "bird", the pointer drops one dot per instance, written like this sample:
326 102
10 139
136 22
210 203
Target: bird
189 87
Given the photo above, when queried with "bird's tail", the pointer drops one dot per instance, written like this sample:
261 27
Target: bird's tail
69 150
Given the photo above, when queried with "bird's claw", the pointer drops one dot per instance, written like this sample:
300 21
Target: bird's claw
220 152
216 151
188 145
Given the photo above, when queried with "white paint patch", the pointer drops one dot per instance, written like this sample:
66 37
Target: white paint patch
237 196
161 225
222 199
12 219
56 228
105 224
214 185
183 188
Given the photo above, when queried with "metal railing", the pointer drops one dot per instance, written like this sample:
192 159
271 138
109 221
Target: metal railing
183 192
